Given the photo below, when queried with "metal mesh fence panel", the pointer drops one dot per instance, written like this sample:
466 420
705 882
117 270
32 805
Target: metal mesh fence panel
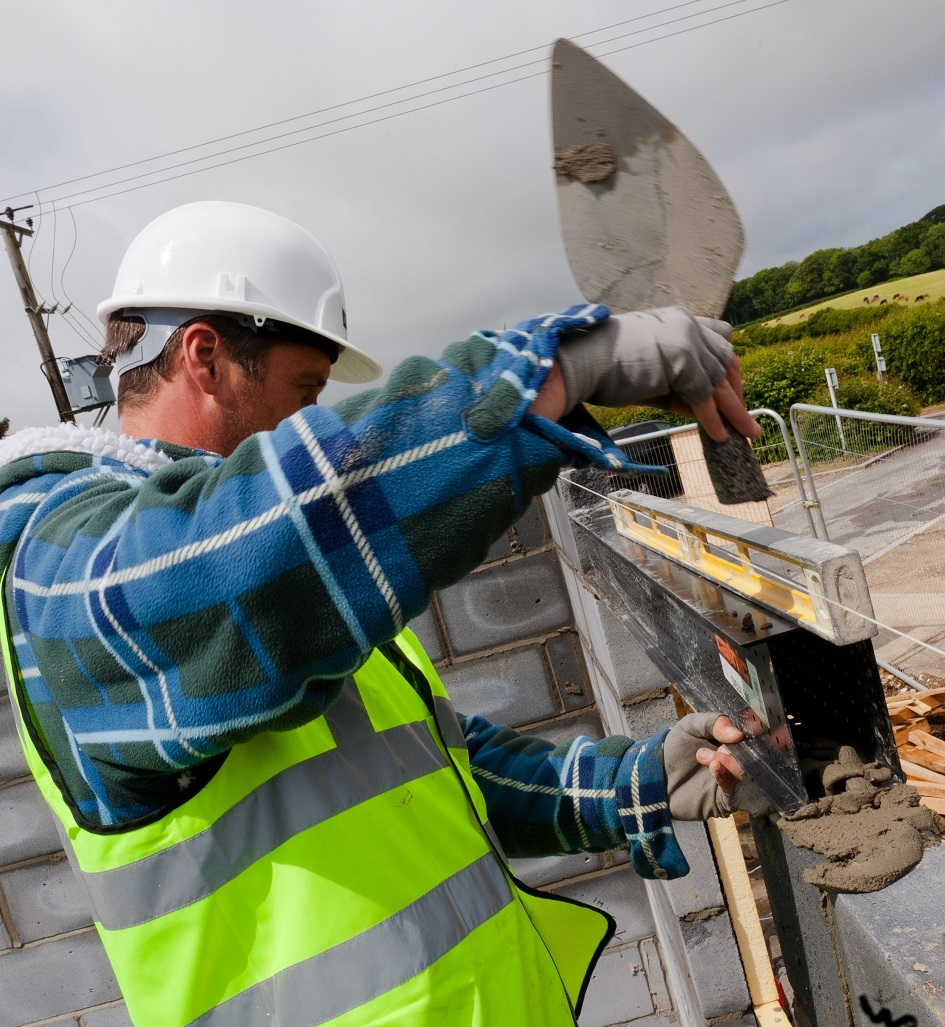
687 480
880 482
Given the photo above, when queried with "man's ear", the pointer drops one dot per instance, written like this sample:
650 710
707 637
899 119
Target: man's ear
202 356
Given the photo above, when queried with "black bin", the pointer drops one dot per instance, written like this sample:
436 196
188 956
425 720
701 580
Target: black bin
650 451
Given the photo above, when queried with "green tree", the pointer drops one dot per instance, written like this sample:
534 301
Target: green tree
839 272
872 264
933 246
807 282
915 262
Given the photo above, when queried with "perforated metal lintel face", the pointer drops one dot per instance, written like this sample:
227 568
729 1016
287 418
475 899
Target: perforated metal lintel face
788 689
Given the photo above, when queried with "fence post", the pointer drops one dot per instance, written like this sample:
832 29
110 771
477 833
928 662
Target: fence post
878 354
831 373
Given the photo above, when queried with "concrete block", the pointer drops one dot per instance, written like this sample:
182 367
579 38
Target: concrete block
529 532
508 688
54 979
714 965
506 603
500 549
538 873
700 888
567 668
562 731
28 826
113 1016
635 673
893 946
654 1021
653 965
618 991
428 631
45 900
12 760
621 894
530 529
650 717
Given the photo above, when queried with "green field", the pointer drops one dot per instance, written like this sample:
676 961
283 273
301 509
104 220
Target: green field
932 282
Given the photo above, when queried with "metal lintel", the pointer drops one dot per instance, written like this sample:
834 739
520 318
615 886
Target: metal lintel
786 687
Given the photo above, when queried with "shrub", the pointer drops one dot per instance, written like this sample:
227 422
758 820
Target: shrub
782 379
914 348
863 393
616 417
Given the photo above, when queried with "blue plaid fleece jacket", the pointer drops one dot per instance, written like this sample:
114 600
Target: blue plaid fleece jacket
167 604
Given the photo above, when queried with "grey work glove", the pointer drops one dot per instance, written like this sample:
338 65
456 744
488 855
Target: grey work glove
644 357
693 792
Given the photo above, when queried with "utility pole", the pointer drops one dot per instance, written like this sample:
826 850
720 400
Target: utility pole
12 239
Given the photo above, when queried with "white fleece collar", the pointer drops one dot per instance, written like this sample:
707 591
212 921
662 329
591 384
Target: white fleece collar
75 438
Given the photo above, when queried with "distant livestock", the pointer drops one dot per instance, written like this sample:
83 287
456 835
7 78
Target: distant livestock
895 295
881 302
924 296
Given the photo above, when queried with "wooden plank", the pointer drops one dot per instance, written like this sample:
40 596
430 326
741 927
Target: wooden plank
914 769
934 804
929 790
901 731
928 741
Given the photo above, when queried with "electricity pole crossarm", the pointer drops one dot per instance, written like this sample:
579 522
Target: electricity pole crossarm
12 235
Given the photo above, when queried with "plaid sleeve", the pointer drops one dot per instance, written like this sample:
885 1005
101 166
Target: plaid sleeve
167 614
584 796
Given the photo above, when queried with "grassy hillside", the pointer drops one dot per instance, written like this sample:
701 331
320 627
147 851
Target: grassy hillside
931 283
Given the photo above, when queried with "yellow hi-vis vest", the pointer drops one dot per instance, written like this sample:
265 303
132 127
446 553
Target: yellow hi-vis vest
339 873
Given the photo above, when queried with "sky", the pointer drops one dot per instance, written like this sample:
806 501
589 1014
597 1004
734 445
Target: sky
414 140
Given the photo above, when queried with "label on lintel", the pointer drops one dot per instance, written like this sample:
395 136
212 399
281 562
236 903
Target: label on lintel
743 677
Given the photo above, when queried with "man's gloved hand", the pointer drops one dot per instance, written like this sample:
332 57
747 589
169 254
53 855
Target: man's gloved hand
645 356
703 779
664 357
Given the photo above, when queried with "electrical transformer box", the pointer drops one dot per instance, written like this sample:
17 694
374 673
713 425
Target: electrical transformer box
88 383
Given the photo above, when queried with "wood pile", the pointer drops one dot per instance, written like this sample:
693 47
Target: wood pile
918 720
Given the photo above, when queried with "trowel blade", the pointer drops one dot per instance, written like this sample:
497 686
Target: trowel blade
658 227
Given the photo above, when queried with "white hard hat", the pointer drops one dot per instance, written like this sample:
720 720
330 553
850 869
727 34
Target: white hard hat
219 257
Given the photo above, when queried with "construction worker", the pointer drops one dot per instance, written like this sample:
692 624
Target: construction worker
277 815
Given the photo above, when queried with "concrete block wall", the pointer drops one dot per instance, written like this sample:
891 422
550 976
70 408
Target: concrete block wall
53 968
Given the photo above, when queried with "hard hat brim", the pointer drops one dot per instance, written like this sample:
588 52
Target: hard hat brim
353 366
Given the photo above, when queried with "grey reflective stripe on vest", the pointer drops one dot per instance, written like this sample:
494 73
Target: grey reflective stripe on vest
451 734
155 885
372 963
451 730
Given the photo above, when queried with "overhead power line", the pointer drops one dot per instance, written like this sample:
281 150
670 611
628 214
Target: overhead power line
360 99
260 147
91 330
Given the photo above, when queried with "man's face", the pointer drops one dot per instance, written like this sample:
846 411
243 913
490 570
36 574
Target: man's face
292 378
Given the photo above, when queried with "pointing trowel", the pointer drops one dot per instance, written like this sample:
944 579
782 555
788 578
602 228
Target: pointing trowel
646 221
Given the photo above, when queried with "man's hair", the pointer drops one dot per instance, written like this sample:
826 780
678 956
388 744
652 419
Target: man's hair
247 348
